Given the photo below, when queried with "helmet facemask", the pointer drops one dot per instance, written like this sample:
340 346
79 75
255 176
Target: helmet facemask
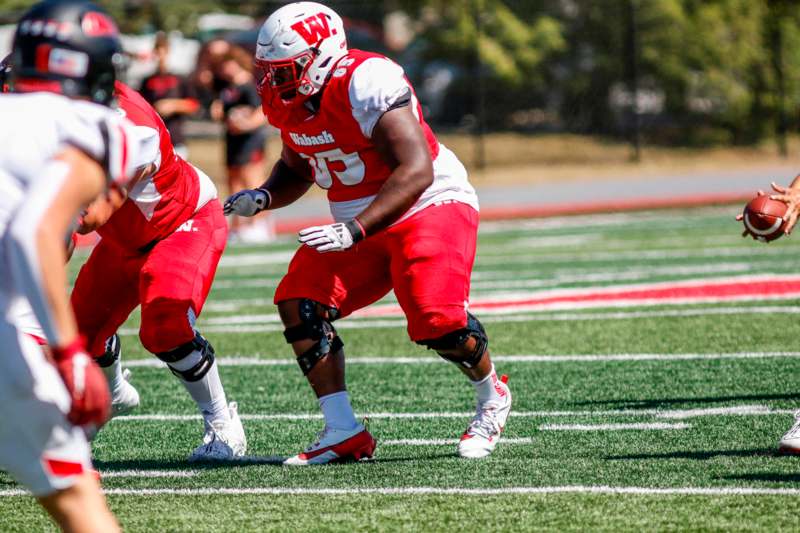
287 78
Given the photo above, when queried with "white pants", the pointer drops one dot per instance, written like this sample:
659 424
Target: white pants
39 447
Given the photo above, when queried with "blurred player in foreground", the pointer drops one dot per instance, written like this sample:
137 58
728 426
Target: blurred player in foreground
160 248
406 219
62 152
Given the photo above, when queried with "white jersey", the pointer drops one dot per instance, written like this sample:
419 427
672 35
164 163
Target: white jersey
36 128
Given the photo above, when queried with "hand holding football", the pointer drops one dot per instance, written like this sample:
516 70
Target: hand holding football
763 218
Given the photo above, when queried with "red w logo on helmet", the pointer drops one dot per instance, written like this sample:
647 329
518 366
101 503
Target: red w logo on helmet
95 24
313 29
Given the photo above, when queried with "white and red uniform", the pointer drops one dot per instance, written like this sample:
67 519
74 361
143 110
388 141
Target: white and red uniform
160 249
427 255
38 446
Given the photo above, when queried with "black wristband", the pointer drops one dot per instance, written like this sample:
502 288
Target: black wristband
356 230
269 198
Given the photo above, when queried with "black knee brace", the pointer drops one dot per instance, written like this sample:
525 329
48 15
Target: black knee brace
111 354
456 340
315 327
198 371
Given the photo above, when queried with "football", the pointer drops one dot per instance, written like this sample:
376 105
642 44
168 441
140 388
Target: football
763 218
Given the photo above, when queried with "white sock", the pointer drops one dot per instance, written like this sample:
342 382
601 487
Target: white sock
337 410
488 389
207 392
114 375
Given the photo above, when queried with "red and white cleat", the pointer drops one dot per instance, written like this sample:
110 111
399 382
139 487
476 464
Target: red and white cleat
336 445
790 442
483 433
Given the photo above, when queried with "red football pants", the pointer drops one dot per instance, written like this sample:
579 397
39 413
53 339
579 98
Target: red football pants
427 259
171 282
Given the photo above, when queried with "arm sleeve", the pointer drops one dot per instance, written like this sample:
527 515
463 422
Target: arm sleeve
376 86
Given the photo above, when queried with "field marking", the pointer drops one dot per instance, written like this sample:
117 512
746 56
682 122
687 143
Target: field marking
442 491
737 410
148 473
358 322
639 274
256 259
234 361
229 324
443 442
623 255
731 288
613 427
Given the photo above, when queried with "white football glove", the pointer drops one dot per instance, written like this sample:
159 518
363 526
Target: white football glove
247 203
333 237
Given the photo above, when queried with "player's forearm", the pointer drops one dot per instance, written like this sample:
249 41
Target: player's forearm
186 106
400 192
284 186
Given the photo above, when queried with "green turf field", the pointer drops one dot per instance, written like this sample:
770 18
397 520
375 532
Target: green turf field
626 417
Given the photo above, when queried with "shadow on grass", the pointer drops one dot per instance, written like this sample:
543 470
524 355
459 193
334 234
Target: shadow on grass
766 476
178 464
697 455
251 460
661 402
411 459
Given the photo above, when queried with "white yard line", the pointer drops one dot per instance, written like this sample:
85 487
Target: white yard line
739 410
613 427
270 322
531 358
624 255
252 259
443 442
148 473
510 314
441 491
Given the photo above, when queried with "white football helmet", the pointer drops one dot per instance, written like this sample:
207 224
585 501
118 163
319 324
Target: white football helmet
297 47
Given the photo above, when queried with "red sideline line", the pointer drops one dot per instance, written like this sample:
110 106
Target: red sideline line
535 211
751 288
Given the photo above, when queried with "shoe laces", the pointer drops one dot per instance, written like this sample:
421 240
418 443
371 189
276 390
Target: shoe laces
485 423
318 439
794 432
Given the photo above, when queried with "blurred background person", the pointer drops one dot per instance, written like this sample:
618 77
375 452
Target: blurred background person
207 85
172 96
239 108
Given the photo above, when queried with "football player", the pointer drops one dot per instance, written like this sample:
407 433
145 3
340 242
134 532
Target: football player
406 219
159 249
63 150
790 442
